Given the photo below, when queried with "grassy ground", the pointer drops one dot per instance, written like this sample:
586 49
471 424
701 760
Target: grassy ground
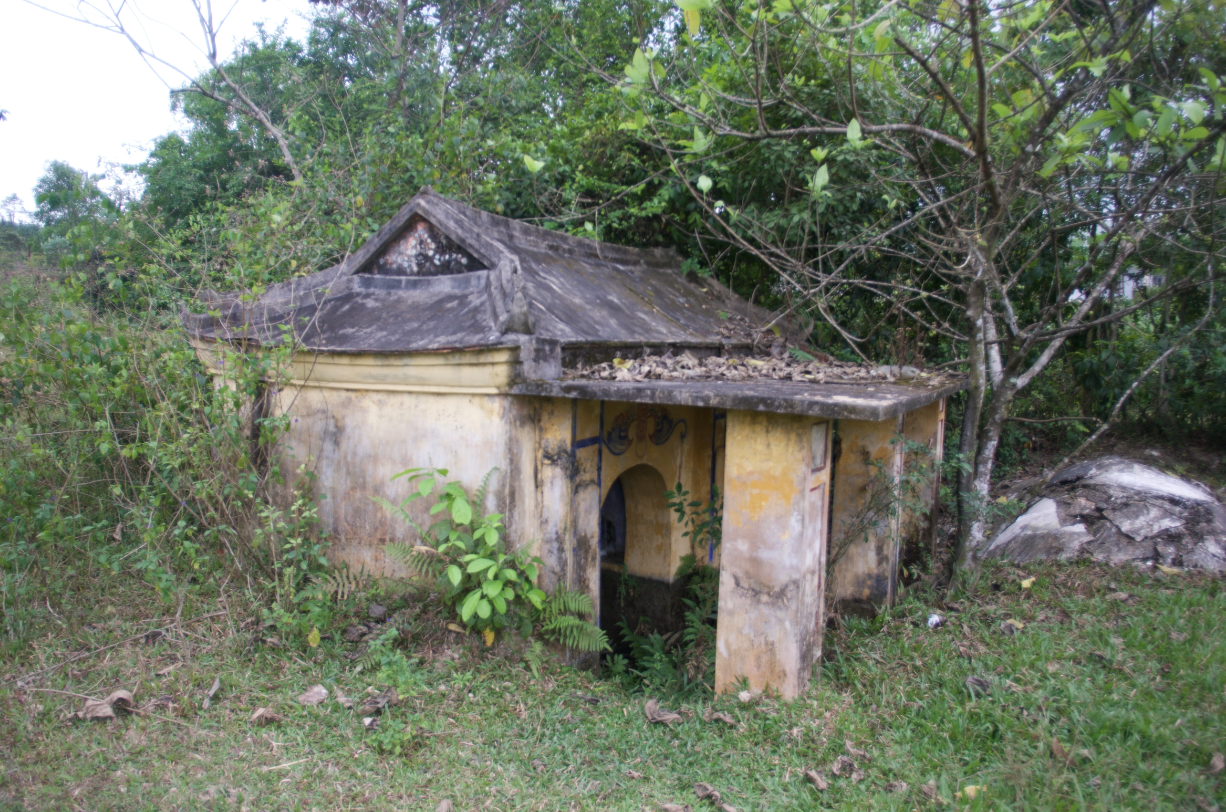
1101 701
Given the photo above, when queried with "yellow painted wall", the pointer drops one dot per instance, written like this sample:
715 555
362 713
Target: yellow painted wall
774 551
356 441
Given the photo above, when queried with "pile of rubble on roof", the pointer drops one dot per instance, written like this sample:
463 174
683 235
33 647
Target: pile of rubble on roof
801 367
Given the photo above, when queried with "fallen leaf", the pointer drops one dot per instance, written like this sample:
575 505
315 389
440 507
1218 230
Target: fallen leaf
153 636
745 696
370 722
857 776
969 792
706 791
456 627
929 790
346 702
167 670
211 692
488 634
842 763
1169 570
710 715
633 774
313 695
852 750
104 709
1178 637
1118 596
1206 805
375 704
1052 667
443 806
978 686
815 778
1011 627
378 612
657 714
264 716
675 807
1027 583
897 786
353 634
1061 754
726 807
1216 764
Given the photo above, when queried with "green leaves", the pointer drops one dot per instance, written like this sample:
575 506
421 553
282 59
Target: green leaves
533 165
704 184
853 132
691 9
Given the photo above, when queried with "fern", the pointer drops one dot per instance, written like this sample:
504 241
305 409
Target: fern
478 502
342 584
535 657
563 618
801 355
422 561
567 602
576 633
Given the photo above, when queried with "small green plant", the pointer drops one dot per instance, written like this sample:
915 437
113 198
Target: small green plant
489 587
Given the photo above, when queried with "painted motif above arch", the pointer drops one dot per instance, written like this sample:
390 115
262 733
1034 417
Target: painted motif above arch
639 425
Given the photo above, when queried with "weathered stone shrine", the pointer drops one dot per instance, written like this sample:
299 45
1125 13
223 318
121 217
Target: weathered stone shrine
468 341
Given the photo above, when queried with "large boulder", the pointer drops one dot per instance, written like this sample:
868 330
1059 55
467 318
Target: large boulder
1119 512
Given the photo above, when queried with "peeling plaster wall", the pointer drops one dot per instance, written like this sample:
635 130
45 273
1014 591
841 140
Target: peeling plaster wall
356 441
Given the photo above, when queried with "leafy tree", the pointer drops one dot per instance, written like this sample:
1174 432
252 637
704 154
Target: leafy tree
981 176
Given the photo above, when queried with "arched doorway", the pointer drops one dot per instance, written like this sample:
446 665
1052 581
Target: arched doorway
636 556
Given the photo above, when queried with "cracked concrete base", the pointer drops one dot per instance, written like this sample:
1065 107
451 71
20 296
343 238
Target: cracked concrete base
1118 512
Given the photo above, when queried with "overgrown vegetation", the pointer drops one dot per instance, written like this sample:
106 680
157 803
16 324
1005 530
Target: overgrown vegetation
489 587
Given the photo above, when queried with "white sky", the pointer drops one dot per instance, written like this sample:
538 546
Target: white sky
78 94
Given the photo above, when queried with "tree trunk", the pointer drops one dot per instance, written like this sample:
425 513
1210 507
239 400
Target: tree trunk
968 509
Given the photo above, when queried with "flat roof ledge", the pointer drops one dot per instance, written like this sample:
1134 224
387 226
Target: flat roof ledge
844 401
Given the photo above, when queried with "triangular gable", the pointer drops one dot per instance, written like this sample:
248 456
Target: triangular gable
423 231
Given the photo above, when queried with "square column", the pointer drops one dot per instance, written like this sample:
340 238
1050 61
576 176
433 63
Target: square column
773 554
866 526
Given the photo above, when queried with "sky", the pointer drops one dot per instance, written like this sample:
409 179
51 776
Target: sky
82 95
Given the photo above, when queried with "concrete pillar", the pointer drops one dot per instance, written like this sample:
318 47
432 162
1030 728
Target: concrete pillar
865 522
773 556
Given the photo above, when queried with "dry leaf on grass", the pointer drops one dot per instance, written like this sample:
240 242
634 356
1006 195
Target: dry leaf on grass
370 722
815 778
346 702
211 692
842 763
1011 627
375 704
707 792
167 670
1118 596
710 715
929 790
745 696
314 695
264 716
978 686
856 776
852 750
969 792
675 807
1169 570
726 807
1178 637
443 806
1216 764
657 714
897 786
633 774
1206 805
1060 753
104 709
